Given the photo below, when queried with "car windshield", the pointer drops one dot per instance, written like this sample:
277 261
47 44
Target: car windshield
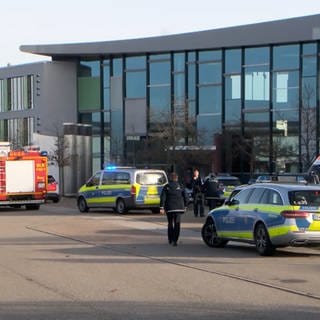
151 178
309 198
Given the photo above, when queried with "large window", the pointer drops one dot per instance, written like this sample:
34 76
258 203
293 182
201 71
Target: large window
17 93
159 89
233 87
286 77
19 131
209 93
136 77
257 78
89 86
191 80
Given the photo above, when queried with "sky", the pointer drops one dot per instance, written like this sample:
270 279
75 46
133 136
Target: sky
32 22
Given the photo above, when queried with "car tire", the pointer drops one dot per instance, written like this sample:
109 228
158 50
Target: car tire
120 206
209 235
82 205
155 210
262 241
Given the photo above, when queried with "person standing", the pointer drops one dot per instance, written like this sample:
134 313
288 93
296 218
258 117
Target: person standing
173 202
211 190
198 201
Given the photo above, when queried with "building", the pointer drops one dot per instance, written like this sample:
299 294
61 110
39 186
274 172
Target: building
249 92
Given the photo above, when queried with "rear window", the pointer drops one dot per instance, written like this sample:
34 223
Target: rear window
229 182
151 178
305 197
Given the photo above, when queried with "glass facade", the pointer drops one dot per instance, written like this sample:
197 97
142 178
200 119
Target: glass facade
258 105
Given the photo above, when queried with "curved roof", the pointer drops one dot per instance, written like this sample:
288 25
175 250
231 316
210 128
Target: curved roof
305 28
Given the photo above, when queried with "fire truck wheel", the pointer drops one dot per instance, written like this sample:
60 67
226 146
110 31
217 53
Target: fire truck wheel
32 206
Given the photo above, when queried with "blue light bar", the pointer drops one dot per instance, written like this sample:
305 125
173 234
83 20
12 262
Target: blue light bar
110 167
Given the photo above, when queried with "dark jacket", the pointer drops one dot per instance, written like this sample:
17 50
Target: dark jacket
197 186
211 188
173 197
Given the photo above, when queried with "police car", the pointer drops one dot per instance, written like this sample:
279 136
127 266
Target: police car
268 215
123 189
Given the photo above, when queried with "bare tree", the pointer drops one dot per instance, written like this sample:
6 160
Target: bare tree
308 122
61 156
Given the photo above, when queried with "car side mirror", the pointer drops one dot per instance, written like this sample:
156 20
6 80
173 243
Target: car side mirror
232 202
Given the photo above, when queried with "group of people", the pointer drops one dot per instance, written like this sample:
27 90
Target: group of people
174 200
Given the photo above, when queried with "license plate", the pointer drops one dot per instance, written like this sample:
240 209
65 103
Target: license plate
152 196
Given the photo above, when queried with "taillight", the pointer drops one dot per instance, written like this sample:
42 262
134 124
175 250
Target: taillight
294 214
133 190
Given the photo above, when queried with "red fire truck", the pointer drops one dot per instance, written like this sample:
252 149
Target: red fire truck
23 178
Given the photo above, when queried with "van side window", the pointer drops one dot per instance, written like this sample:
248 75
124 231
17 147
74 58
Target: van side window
108 178
122 178
95 180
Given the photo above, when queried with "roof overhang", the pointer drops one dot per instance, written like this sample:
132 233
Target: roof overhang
305 28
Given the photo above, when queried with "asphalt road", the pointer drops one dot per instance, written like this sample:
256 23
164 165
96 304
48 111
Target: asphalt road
59 264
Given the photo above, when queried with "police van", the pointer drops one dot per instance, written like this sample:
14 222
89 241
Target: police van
123 189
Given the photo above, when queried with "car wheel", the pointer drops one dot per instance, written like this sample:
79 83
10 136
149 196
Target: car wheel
262 241
209 235
120 206
155 210
82 205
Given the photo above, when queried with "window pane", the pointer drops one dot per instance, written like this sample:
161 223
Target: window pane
210 73
257 80
209 55
208 126
309 48
191 81
210 99
309 87
179 62
254 56
136 63
191 56
117 67
179 88
136 84
286 90
233 112
309 66
233 87
89 85
233 61
286 57
159 73
155 57
159 103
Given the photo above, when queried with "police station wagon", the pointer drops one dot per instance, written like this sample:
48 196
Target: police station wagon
123 189
269 215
